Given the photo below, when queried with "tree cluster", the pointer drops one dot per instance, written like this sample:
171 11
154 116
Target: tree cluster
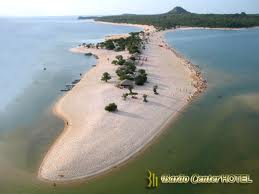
133 43
169 20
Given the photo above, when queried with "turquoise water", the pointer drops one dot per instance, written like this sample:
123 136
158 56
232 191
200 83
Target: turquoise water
216 134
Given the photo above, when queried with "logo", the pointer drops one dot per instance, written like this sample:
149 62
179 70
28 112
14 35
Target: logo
195 179
152 180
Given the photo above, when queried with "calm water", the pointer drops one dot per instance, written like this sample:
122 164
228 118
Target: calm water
27 125
217 134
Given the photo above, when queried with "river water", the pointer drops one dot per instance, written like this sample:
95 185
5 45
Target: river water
217 134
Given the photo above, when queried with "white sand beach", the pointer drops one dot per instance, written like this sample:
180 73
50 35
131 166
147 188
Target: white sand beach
94 140
116 36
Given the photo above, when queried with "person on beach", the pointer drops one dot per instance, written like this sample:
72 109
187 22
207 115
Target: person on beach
155 89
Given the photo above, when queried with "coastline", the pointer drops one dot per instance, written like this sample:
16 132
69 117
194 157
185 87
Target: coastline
50 168
210 28
144 27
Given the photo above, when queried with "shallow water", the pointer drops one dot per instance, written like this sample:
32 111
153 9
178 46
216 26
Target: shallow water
27 125
216 134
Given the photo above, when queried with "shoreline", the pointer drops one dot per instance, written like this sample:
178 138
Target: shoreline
52 176
164 127
144 27
211 28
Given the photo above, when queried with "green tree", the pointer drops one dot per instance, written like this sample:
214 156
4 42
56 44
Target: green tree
119 57
114 62
125 72
106 76
131 67
112 107
140 79
133 49
142 71
121 62
109 45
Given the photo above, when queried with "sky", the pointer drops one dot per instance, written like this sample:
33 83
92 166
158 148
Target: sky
112 7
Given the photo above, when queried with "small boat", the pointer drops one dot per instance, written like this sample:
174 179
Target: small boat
76 81
65 90
70 86
88 54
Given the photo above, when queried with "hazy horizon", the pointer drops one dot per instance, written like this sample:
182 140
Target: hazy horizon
27 8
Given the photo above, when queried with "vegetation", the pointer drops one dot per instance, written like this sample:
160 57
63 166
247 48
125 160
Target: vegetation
119 57
126 71
127 67
141 77
180 17
131 67
109 44
99 45
114 62
133 58
178 10
121 61
106 76
90 45
112 107
133 44
142 71
86 17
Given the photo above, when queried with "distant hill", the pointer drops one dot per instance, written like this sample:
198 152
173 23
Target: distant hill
86 17
178 10
181 17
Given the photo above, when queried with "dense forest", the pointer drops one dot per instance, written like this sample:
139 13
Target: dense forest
180 17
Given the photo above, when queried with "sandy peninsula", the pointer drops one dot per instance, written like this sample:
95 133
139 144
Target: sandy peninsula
94 141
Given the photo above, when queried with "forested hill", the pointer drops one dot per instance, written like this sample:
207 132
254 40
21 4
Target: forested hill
180 17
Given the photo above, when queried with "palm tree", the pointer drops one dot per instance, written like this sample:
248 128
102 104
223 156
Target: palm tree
106 76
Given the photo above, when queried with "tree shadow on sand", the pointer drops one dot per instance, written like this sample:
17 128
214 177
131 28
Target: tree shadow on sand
152 103
128 114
